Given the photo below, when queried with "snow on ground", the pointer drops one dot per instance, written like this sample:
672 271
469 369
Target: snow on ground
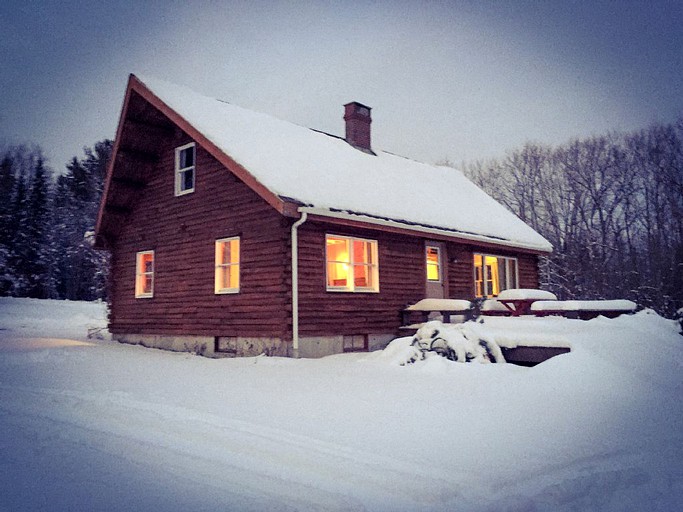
104 426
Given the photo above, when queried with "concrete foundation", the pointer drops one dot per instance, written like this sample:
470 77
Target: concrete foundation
201 345
209 346
379 341
321 346
238 346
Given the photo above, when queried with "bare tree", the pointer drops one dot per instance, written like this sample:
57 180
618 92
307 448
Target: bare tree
612 206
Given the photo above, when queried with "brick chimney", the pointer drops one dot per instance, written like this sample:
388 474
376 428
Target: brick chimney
357 117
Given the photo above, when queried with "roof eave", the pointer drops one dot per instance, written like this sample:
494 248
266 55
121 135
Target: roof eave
419 229
99 236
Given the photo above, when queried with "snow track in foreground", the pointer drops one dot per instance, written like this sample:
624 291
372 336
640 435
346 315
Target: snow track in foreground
253 462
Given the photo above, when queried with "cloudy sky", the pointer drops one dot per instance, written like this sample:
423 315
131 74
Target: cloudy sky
446 79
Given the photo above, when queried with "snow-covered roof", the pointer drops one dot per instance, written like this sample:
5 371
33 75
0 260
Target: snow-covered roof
328 175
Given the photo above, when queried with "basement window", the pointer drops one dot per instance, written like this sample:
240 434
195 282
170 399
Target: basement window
352 264
227 278
144 275
355 343
184 169
493 274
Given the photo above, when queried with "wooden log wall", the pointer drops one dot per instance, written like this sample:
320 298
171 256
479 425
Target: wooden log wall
460 271
182 231
528 271
401 282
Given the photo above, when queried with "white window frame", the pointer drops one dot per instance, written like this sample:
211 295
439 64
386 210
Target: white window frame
218 266
438 263
484 273
374 267
179 172
141 275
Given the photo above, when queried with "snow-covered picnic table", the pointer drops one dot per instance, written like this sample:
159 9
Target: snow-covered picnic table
519 300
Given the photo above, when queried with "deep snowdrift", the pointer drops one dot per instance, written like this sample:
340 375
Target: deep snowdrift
104 426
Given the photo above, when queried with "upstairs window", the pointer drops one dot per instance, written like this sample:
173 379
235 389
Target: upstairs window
493 274
351 264
144 274
184 169
227 278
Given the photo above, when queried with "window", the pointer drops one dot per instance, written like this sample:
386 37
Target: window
144 274
355 342
227 265
184 169
433 264
351 264
493 274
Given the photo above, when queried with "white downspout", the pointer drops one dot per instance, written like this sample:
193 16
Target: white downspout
295 284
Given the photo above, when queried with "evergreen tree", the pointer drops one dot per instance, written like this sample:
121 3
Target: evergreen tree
81 271
32 247
7 188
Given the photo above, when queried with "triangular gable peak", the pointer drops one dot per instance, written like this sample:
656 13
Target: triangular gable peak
143 116
296 169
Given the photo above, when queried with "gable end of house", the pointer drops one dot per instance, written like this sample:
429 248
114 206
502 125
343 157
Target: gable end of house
145 120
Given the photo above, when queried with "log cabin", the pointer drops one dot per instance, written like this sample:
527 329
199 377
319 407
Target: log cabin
233 233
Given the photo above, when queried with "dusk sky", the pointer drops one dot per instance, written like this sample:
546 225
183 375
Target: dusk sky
460 80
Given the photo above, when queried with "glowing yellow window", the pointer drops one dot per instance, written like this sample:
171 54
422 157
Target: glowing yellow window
493 274
338 262
144 274
351 264
433 264
227 265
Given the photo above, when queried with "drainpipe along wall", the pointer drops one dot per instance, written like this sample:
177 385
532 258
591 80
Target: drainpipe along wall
295 284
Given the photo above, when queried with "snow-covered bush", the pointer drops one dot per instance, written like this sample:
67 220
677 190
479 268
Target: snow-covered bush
458 342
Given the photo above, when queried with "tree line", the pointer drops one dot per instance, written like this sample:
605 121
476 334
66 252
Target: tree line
612 206
47 225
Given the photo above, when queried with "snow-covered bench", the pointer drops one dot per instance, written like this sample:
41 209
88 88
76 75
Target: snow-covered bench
583 309
425 308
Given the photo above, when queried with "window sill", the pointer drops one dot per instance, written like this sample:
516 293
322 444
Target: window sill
227 291
346 290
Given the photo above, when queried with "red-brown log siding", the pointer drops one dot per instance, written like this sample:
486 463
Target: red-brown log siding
182 231
528 271
401 281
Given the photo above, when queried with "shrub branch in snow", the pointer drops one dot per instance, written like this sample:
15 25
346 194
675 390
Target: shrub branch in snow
459 342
